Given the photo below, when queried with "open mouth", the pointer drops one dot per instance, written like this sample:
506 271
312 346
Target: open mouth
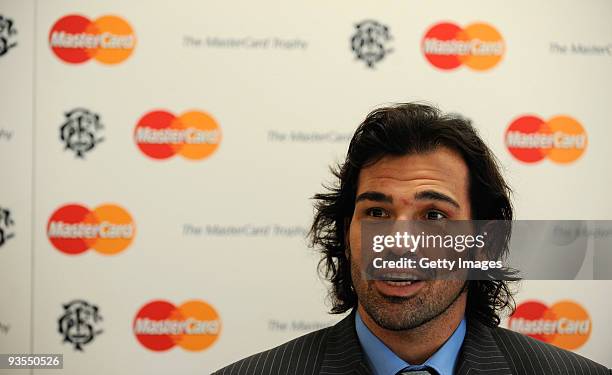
399 279
399 284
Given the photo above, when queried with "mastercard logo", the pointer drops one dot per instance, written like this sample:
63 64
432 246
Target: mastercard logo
194 325
561 139
75 39
565 324
447 46
108 229
194 135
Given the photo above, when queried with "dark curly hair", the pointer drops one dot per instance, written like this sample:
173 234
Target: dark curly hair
398 130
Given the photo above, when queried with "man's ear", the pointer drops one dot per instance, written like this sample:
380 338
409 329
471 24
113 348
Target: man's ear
347 233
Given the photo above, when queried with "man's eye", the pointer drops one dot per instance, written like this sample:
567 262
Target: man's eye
434 215
377 212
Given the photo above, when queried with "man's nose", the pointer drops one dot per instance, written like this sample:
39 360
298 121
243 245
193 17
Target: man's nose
402 229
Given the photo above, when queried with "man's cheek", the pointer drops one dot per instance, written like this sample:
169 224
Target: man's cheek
355 248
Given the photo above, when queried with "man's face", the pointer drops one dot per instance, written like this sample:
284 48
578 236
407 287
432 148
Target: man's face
429 186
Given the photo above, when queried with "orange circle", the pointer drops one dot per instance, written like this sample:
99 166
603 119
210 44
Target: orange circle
117 40
202 135
574 325
204 325
488 46
570 139
117 229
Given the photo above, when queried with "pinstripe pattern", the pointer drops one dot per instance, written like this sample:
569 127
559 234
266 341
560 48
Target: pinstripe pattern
480 353
336 350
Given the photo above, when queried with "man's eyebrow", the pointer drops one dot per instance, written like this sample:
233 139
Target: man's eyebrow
435 196
374 196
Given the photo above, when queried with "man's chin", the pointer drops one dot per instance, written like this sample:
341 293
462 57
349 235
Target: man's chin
395 316
394 313
405 306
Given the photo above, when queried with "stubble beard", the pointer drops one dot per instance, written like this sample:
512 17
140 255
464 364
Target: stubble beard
406 313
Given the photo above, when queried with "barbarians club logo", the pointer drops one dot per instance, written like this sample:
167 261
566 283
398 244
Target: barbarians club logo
80 323
7 34
369 42
6 225
80 131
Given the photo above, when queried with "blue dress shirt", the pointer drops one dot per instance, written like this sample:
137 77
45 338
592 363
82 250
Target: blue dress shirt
383 361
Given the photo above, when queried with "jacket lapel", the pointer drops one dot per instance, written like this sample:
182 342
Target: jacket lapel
480 353
343 354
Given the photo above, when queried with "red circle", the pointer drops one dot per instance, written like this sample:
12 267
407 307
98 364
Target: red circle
69 214
441 32
532 310
155 120
525 125
155 311
70 25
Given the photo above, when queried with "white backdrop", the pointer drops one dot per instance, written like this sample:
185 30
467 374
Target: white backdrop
263 173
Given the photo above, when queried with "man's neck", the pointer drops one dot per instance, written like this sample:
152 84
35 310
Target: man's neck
416 345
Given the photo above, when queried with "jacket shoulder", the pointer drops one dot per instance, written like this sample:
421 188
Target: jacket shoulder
526 355
302 355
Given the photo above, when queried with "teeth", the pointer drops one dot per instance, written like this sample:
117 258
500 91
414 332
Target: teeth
395 277
398 283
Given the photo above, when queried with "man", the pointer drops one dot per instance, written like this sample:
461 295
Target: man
410 162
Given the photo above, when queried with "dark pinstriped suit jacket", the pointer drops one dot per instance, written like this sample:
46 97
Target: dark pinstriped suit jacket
336 350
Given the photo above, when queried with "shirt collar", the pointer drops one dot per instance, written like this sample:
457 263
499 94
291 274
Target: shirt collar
383 361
